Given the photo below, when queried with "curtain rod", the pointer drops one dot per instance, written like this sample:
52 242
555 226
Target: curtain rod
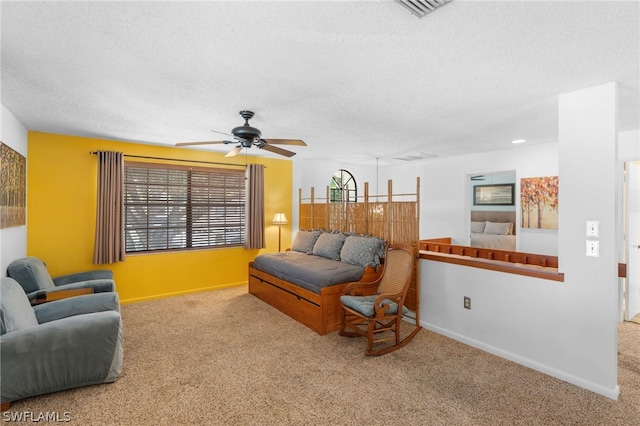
178 159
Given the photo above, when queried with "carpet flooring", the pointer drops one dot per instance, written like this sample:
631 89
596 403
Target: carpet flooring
226 358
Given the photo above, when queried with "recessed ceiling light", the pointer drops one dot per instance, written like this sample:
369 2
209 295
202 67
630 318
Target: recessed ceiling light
519 141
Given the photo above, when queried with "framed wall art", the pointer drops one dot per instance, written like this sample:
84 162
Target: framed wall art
13 185
494 195
539 202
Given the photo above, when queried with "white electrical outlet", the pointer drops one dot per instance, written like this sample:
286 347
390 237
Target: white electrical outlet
593 228
467 302
593 248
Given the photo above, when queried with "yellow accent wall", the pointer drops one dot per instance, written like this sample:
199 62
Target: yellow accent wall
61 210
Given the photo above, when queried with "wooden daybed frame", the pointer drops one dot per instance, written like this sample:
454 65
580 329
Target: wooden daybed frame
395 219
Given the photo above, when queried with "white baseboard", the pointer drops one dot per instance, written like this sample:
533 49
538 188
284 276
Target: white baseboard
180 293
562 375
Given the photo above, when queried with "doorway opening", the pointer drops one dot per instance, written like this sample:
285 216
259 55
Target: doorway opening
630 305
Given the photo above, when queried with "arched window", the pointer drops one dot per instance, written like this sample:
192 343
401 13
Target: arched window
343 187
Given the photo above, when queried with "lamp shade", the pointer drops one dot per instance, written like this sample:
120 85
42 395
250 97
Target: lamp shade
280 219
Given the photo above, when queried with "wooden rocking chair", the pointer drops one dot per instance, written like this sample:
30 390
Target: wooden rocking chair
375 309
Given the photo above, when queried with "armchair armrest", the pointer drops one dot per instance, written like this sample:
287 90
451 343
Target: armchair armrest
83 276
43 296
99 285
99 302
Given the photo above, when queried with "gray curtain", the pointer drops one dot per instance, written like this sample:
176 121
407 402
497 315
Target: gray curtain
109 245
255 207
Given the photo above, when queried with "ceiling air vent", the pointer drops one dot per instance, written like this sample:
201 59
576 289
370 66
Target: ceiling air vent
420 8
414 157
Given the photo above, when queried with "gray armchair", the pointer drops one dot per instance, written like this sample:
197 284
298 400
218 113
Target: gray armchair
57 345
32 274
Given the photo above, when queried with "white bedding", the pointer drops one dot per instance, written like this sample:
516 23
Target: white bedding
497 242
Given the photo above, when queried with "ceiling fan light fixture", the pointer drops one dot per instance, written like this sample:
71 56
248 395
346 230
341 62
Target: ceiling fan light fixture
247 136
420 8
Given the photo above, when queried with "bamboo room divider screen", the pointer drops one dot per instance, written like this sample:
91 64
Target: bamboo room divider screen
392 217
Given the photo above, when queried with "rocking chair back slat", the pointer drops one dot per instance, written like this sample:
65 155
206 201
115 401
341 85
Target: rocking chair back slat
397 272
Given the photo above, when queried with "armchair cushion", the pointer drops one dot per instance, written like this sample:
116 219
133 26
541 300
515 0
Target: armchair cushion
17 313
31 273
364 304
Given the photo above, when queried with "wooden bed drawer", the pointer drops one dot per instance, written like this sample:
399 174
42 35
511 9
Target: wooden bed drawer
320 312
295 306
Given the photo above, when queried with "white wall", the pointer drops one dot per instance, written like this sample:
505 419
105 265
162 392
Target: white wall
564 329
13 241
629 145
444 195
590 182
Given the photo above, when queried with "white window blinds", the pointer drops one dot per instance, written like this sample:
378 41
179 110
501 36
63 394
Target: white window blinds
171 207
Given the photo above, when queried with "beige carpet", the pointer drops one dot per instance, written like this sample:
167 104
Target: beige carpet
226 358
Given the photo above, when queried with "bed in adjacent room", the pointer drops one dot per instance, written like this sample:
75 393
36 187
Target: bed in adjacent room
493 229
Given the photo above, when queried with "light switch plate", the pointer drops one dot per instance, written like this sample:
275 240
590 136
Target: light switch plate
593 228
593 248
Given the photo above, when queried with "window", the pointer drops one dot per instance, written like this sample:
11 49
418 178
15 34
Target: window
170 207
343 187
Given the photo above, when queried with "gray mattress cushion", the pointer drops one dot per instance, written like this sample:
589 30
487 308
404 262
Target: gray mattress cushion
308 271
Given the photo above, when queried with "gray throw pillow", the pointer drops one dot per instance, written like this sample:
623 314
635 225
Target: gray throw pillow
363 250
329 245
305 240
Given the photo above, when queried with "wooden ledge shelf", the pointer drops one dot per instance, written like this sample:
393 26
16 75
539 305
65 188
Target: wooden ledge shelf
527 264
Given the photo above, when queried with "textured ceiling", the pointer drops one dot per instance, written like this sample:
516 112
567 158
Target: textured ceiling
356 80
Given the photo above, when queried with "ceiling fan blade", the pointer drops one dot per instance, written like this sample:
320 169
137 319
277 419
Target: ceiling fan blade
277 150
223 133
201 143
234 151
297 142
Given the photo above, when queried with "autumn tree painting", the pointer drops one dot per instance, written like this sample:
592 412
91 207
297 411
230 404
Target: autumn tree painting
539 202
13 194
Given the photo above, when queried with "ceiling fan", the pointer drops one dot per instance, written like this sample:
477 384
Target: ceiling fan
246 136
